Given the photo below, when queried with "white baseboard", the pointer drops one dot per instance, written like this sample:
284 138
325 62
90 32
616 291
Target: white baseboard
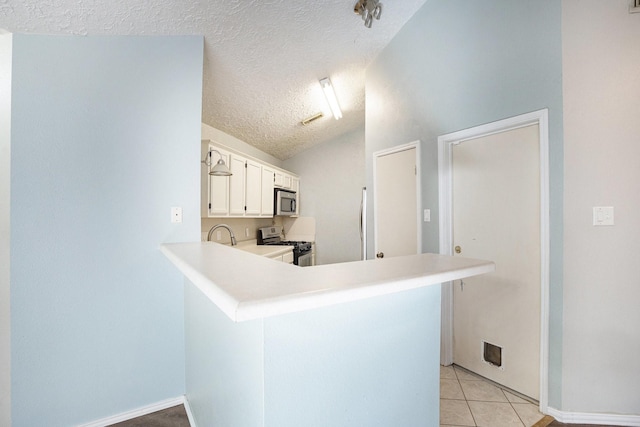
187 407
159 406
590 418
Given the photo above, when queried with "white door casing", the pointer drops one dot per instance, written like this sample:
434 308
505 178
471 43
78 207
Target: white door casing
445 151
396 201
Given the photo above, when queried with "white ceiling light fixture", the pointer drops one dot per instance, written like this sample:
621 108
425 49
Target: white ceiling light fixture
368 9
327 88
220 169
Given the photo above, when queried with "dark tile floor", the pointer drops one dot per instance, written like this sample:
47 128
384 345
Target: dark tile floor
171 417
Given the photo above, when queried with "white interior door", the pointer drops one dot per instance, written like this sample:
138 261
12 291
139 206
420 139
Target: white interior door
396 201
496 216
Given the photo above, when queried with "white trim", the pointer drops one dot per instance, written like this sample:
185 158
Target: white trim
392 150
445 144
187 408
6 53
145 410
593 418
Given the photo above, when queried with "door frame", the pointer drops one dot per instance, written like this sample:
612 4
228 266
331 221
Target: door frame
385 152
445 184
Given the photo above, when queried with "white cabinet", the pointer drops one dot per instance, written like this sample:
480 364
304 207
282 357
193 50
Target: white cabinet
253 188
214 189
295 186
283 180
267 191
237 185
248 192
279 179
288 257
245 187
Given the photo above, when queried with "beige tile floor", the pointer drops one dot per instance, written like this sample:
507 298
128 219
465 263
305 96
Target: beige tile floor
469 400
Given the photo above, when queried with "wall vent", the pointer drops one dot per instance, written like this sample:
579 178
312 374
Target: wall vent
313 118
634 7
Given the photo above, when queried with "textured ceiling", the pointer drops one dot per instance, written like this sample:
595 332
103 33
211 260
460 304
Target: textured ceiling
262 59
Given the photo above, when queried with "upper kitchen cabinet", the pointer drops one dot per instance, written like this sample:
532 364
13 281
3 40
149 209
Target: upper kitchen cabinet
285 180
295 186
253 189
237 185
248 192
214 190
268 177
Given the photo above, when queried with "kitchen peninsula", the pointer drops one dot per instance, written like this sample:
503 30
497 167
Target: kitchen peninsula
276 345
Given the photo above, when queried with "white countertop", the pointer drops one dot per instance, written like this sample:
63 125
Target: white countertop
245 286
263 250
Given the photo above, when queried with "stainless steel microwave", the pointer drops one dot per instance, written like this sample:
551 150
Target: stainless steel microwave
285 202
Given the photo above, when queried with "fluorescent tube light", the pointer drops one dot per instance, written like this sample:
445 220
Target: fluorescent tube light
331 97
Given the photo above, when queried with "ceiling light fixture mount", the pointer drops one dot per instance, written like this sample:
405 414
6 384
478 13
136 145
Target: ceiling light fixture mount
368 9
220 168
327 88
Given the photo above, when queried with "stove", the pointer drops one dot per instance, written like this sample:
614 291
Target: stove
301 250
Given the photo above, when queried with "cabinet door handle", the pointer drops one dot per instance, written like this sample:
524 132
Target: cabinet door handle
380 255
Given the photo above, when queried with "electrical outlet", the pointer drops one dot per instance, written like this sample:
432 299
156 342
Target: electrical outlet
218 235
176 214
427 215
246 232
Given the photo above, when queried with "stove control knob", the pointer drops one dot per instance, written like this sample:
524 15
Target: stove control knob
380 255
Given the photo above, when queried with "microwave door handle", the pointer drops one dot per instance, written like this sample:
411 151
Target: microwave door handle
293 206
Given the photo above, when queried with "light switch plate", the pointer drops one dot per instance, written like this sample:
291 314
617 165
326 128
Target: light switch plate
176 214
603 215
427 215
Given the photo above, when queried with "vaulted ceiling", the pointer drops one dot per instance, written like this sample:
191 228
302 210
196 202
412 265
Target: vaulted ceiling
262 61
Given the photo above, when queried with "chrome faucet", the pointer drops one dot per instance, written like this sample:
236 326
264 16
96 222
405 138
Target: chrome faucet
215 227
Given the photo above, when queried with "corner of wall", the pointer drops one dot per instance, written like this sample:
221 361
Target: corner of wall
6 41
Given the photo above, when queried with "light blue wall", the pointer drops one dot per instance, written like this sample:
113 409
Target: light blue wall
457 64
332 175
105 140
224 365
369 363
